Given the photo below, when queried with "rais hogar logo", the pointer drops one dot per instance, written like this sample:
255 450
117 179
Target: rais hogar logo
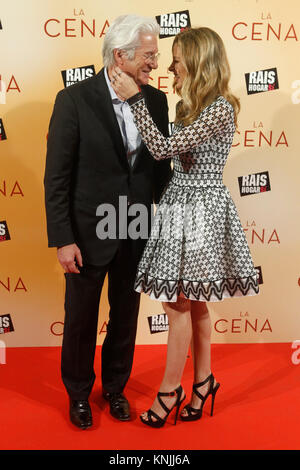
261 80
172 23
158 323
71 76
255 183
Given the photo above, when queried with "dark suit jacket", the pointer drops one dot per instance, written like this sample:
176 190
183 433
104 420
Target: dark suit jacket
86 166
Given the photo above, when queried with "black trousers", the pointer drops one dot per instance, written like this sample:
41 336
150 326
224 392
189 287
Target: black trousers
81 319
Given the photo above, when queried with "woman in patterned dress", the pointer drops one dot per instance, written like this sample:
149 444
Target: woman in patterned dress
197 251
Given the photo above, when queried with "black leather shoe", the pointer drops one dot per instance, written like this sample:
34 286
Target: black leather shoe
81 414
119 406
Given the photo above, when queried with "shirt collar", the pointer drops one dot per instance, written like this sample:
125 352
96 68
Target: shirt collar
112 92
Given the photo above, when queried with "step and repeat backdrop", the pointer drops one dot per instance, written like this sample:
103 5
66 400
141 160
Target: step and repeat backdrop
48 45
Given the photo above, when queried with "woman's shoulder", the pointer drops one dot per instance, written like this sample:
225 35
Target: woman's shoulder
220 105
221 102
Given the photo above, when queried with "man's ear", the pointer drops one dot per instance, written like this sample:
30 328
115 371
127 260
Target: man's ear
118 56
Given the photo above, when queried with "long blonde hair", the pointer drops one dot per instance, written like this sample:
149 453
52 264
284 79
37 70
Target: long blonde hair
208 73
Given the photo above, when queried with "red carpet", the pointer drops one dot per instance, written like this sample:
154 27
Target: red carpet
257 406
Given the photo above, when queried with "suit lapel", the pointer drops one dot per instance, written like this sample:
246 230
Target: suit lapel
102 105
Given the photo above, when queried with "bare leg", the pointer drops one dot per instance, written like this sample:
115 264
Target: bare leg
201 349
180 332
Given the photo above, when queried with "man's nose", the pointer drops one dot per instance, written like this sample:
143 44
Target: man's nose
154 63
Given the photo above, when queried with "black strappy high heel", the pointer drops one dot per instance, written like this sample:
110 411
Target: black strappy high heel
195 413
159 422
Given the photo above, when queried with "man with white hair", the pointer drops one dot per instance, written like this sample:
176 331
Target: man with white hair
95 157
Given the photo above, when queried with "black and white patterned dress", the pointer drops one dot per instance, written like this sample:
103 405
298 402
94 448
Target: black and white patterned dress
197 244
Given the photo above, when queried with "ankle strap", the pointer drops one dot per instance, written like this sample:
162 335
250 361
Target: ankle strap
210 377
170 394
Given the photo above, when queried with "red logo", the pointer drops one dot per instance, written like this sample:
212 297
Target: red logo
262 235
12 84
8 189
11 285
57 328
75 27
259 138
258 31
243 325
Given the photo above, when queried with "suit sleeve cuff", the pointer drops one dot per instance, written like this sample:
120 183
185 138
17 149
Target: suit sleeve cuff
135 99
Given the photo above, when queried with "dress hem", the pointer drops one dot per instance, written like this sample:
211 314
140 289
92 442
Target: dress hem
211 291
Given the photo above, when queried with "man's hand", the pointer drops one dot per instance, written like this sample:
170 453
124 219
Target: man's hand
67 255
